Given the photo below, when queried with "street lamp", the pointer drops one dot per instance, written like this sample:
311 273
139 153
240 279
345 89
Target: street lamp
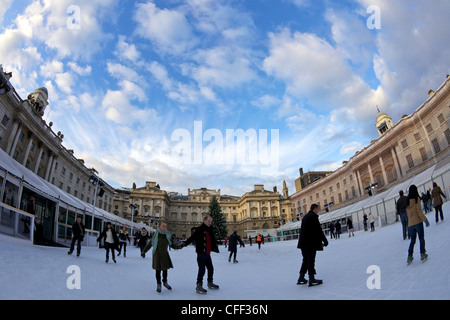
96 182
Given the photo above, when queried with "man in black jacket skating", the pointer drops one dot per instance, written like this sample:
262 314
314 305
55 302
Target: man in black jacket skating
310 240
78 231
205 243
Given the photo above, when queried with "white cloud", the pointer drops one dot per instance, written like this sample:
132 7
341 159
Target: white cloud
80 70
223 67
314 70
65 81
351 147
169 30
118 105
126 50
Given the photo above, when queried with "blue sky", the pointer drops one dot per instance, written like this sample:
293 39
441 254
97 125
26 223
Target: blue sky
134 72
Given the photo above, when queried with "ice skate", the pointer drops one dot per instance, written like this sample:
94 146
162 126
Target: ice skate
302 280
158 288
410 259
199 289
423 257
213 286
167 285
314 282
235 261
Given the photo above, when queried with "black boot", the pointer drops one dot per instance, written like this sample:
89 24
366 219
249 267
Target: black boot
213 286
199 289
302 280
314 282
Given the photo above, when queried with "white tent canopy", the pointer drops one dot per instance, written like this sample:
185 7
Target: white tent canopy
31 180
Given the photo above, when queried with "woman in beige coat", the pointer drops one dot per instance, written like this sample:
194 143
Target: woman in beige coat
437 201
415 223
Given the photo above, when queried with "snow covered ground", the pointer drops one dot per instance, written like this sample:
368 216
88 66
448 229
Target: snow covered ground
35 272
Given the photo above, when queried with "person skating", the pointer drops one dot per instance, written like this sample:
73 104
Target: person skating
437 201
78 232
232 245
372 222
337 227
205 243
142 240
258 241
123 239
416 217
332 230
161 241
401 205
350 227
311 240
111 241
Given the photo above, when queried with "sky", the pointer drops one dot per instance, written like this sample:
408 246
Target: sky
158 90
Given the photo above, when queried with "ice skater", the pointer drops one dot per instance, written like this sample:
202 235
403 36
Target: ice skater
111 241
437 201
123 239
232 245
372 222
161 241
401 205
311 240
78 232
205 243
416 218
142 240
350 227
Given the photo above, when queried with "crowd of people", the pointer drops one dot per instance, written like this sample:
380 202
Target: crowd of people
311 239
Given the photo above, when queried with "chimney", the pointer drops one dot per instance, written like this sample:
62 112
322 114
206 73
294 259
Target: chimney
301 171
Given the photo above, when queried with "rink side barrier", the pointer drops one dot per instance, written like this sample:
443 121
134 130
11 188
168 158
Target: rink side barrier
15 222
383 210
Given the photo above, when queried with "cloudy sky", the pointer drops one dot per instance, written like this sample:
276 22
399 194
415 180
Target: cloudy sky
149 90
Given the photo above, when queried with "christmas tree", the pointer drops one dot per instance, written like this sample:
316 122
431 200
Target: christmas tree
219 223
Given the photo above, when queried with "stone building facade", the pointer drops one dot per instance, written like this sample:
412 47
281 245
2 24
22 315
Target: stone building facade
413 144
28 139
257 211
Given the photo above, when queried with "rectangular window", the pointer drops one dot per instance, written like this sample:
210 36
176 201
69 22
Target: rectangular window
410 161
447 135
436 146
423 153
5 120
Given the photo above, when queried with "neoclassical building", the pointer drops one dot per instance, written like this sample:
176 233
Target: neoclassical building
28 139
257 211
416 142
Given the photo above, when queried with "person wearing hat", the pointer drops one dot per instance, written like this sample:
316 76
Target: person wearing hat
111 241
232 245
437 201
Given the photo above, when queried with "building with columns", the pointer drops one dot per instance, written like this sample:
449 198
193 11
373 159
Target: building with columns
27 138
257 211
415 143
